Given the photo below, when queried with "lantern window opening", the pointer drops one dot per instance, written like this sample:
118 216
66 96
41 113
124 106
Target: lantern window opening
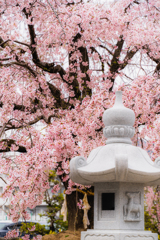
108 201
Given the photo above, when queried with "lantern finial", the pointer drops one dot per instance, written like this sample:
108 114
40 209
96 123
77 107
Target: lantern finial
118 122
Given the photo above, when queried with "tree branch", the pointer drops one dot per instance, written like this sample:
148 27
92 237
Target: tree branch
135 1
156 60
56 16
2 43
115 61
47 67
22 64
106 49
8 143
128 56
2 130
25 44
102 63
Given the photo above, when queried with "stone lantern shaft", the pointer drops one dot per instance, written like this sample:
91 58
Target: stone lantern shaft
118 206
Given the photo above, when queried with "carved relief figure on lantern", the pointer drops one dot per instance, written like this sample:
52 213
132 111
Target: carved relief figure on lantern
132 210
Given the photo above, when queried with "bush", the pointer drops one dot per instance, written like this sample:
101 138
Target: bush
39 229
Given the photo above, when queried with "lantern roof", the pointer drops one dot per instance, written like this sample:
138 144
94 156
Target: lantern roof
118 160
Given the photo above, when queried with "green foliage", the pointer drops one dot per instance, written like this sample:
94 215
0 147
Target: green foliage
60 225
150 223
54 205
39 229
51 232
152 217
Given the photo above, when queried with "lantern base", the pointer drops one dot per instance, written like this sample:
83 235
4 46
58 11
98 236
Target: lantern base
118 235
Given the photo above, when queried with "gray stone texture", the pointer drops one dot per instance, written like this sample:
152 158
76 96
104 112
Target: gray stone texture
115 219
117 235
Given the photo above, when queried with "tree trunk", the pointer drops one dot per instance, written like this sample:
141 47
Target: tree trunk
52 228
75 215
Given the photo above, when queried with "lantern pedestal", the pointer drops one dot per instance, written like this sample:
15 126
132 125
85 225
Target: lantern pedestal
118 235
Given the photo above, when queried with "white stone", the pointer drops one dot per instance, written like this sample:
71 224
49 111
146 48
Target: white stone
119 171
116 162
118 114
118 235
116 219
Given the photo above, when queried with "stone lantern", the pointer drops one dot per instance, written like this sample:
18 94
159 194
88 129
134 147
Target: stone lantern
118 171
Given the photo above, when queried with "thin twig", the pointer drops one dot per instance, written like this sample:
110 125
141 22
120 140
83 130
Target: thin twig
56 16
3 127
3 180
2 44
25 44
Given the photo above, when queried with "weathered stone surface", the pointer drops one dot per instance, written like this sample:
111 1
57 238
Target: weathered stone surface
118 235
117 219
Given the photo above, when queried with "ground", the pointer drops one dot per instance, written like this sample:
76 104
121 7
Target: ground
66 235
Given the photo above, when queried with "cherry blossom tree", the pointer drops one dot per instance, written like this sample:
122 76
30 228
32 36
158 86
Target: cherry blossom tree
60 63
